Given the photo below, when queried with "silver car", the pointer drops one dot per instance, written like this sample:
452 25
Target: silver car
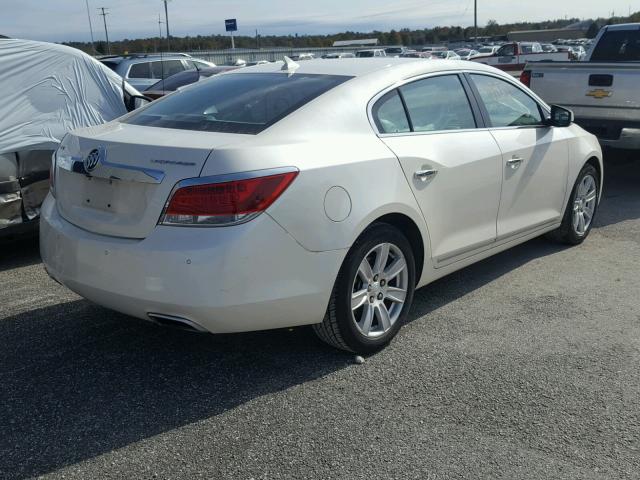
144 70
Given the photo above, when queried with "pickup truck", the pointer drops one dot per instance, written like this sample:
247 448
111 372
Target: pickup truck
514 56
603 90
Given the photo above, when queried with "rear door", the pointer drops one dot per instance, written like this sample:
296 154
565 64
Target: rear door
535 157
453 167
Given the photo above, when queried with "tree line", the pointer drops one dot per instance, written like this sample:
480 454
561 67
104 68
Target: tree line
404 36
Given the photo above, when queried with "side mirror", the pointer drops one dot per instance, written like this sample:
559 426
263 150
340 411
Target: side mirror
138 101
560 116
133 102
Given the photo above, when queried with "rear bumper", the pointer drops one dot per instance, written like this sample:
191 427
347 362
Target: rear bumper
253 276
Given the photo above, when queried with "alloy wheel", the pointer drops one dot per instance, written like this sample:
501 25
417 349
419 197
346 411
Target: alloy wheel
379 290
584 204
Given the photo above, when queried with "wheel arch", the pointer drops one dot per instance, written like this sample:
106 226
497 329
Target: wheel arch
409 228
596 163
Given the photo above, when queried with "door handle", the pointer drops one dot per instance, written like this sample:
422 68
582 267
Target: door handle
514 162
425 175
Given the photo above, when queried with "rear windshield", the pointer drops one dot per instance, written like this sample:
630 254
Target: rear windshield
236 103
111 65
175 81
618 46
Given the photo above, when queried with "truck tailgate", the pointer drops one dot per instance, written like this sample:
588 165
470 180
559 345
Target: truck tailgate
591 90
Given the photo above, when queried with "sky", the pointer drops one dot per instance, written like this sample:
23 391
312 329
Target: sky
66 20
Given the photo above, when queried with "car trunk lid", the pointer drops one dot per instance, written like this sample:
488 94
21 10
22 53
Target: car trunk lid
115 179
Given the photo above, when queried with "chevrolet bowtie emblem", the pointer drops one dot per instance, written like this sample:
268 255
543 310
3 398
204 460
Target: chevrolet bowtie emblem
599 93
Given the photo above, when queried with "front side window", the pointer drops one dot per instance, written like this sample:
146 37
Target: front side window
236 103
438 103
389 114
507 50
507 105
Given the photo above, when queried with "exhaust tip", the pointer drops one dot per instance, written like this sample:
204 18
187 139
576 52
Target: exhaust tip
176 322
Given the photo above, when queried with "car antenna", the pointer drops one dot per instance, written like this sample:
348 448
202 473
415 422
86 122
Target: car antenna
289 66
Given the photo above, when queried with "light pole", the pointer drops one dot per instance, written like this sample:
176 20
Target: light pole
158 45
166 21
475 21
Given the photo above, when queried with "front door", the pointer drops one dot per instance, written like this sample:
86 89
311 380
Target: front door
535 157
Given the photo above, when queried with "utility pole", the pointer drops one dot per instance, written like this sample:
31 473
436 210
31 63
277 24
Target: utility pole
106 32
160 22
93 45
257 39
475 20
166 20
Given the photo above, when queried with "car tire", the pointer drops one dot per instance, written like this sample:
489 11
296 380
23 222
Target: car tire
569 231
367 328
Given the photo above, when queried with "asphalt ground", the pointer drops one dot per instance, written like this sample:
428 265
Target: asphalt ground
525 365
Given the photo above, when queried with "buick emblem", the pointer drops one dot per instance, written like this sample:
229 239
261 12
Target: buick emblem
92 160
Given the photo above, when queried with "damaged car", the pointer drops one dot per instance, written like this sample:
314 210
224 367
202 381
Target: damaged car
48 90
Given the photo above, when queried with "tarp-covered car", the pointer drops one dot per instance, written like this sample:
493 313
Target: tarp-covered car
47 90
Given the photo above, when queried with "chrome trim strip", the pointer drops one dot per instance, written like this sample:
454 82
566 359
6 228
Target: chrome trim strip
112 171
516 83
185 321
478 248
527 230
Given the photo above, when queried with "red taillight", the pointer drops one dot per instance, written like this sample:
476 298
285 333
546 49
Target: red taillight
225 203
525 77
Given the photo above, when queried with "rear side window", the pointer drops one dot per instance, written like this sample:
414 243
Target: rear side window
166 68
438 103
236 103
389 114
618 46
507 105
140 70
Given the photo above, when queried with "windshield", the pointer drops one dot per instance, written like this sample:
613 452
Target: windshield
394 50
486 50
236 103
367 53
618 46
439 54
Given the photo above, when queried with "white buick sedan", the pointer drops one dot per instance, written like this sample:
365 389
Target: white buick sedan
323 193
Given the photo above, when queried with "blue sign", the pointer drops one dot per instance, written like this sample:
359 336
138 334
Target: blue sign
231 25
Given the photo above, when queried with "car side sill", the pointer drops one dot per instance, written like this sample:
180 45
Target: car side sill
446 260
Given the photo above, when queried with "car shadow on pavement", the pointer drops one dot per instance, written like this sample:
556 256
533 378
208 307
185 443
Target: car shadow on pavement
79 380
621 192
458 284
19 252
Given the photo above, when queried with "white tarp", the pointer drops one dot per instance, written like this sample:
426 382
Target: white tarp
48 90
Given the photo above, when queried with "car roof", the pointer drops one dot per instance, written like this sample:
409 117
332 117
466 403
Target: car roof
624 26
358 67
